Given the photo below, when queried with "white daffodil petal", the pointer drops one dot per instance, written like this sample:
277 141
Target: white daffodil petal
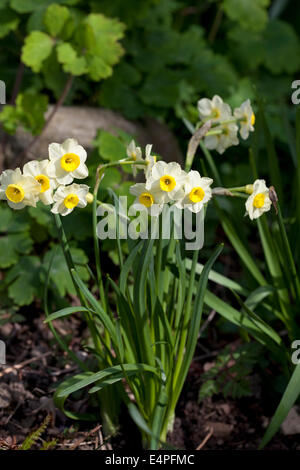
47 197
214 110
81 172
211 142
67 161
259 201
55 151
67 198
204 107
19 190
16 206
158 170
246 118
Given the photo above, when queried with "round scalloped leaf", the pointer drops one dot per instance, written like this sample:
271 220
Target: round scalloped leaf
55 18
251 15
68 56
36 49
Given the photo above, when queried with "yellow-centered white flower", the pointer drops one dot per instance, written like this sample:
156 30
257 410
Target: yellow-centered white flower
220 142
39 171
214 110
197 192
150 159
135 153
19 190
246 117
151 199
259 201
66 198
67 161
167 179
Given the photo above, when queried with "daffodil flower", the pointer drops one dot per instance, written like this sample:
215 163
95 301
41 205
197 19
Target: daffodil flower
66 198
67 161
259 201
39 171
168 180
246 117
135 153
150 198
214 110
220 142
197 192
19 190
150 159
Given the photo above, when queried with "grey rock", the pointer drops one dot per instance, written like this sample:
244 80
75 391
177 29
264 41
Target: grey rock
82 123
291 424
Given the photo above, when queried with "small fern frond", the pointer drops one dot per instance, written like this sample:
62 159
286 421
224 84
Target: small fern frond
35 435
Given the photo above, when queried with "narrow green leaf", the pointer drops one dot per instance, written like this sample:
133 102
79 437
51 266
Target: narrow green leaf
238 318
214 276
127 266
59 401
65 312
272 157
141 423
194 325
95 305
287 401
59 340
258 295
239 247
160 409
259 322
88 378
140 301
298 161
272 260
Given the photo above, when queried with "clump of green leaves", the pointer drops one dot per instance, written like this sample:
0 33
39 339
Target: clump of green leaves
59 40
25 257
83 44
167 59
171 59
28 111
231 373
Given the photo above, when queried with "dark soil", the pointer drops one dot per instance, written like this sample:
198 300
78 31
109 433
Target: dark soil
35 366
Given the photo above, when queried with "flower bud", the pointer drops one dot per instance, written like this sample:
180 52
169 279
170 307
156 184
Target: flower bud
89 198
249 188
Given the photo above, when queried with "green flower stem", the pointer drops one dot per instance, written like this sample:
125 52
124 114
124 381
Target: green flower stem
214 132
211 163
221 121
241 189
70 264
158 260
58 339
170 256
274 269
186 318
242 195
100 171
97 253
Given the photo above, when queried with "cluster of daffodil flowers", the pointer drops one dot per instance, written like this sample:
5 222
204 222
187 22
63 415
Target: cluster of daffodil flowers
168 183
225 124
49 181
